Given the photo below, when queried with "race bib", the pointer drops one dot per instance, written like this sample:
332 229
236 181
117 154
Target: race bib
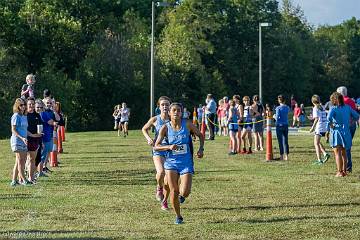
181 149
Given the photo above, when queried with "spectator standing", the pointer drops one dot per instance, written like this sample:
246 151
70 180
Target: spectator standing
18 142
296 117
352 124
200 112
339 131
210 111
258 109
282 127
39 107
49 119
33 137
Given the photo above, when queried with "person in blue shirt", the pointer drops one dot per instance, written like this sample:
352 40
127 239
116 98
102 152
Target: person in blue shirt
282 127
339 131
49 119
233 121
179 163
18 141
162 189
210 111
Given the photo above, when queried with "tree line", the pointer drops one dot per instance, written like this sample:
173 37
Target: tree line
95 54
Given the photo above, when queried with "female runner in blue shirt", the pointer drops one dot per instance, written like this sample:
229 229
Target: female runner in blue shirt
159 157
179 160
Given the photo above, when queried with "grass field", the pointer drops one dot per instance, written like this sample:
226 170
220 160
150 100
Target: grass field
104 189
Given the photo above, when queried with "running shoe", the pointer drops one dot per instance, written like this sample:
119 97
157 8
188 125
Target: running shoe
317 162
47 170
41 174
326 157
231 153
249 152
181 199
26 183
243 151
164 205
159 194
179 220
14 183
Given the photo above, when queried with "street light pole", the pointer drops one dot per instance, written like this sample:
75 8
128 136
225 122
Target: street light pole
153 4
260 59
152 59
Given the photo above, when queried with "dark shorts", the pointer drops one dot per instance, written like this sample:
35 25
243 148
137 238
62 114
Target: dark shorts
322 134
258 126
247 125
125 122
33 144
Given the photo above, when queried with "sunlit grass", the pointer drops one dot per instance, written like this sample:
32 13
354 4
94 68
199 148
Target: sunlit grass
104 189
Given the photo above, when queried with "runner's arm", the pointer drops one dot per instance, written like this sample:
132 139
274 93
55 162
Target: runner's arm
160 138
314 124
145 130
196 131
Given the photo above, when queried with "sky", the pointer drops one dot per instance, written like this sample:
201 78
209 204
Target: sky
330 12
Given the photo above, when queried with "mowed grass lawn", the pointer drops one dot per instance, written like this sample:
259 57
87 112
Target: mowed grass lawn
104 189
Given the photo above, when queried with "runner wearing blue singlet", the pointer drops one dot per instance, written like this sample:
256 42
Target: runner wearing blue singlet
233 120
158 121
240 109
179 161
247 120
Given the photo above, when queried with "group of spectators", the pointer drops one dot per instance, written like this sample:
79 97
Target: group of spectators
336 120
33 123
240 118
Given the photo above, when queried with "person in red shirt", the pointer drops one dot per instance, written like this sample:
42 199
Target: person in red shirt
292 102
296 118
348 101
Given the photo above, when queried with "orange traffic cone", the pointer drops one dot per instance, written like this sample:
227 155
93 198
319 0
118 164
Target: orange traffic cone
59 141
53 153
194 117
269 148
53 159
203 125
62 129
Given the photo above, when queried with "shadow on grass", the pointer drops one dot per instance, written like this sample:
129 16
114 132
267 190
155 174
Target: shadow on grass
220 171
277 207
284 219
289 219
108 178
114 158
45 234
17 196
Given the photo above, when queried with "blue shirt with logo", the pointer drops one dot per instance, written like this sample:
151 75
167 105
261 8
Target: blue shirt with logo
46 116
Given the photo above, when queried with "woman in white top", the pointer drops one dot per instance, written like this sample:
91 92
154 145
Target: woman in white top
116 115
319 128
124 118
